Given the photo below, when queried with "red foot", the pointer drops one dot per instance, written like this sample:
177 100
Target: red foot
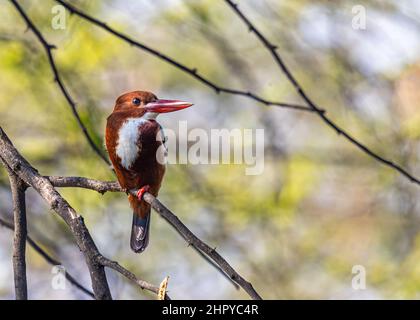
141 191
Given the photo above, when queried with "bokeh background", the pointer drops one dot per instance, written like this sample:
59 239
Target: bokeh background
320 207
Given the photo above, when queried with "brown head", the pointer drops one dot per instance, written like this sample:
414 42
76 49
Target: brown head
142 102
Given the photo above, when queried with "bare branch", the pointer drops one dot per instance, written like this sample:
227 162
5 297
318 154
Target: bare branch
57 203
129 275
193 72
43 186
79 182
18 188
104 186
20 234
57 78
201 247
49 259
193 240
279 61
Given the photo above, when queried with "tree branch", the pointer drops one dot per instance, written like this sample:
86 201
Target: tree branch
104 186
193 72
45 189
18 188
85 183
48 258
280 63
43 186
20 234
193 240
129 275
171 218
57 78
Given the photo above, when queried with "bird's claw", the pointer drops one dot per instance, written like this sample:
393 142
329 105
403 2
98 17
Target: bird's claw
142 191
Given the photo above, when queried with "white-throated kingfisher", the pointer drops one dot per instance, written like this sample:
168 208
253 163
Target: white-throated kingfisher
134 140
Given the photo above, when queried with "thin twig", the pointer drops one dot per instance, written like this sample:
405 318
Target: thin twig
49 259
129 275
57 78
191 71
279 61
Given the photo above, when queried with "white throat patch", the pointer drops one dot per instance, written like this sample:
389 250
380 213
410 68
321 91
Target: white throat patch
128 135
150 115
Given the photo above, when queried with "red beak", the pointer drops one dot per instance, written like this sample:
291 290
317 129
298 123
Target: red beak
164 106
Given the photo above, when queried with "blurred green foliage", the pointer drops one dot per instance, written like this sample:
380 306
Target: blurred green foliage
296 231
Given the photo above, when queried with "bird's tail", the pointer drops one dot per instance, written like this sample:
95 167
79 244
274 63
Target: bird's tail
140 228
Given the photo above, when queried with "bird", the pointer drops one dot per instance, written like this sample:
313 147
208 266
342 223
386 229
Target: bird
136 146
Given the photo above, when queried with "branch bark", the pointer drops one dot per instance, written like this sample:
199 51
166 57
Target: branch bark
18 188
19 238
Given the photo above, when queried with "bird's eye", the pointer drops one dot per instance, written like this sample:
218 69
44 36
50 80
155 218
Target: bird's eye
136 101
